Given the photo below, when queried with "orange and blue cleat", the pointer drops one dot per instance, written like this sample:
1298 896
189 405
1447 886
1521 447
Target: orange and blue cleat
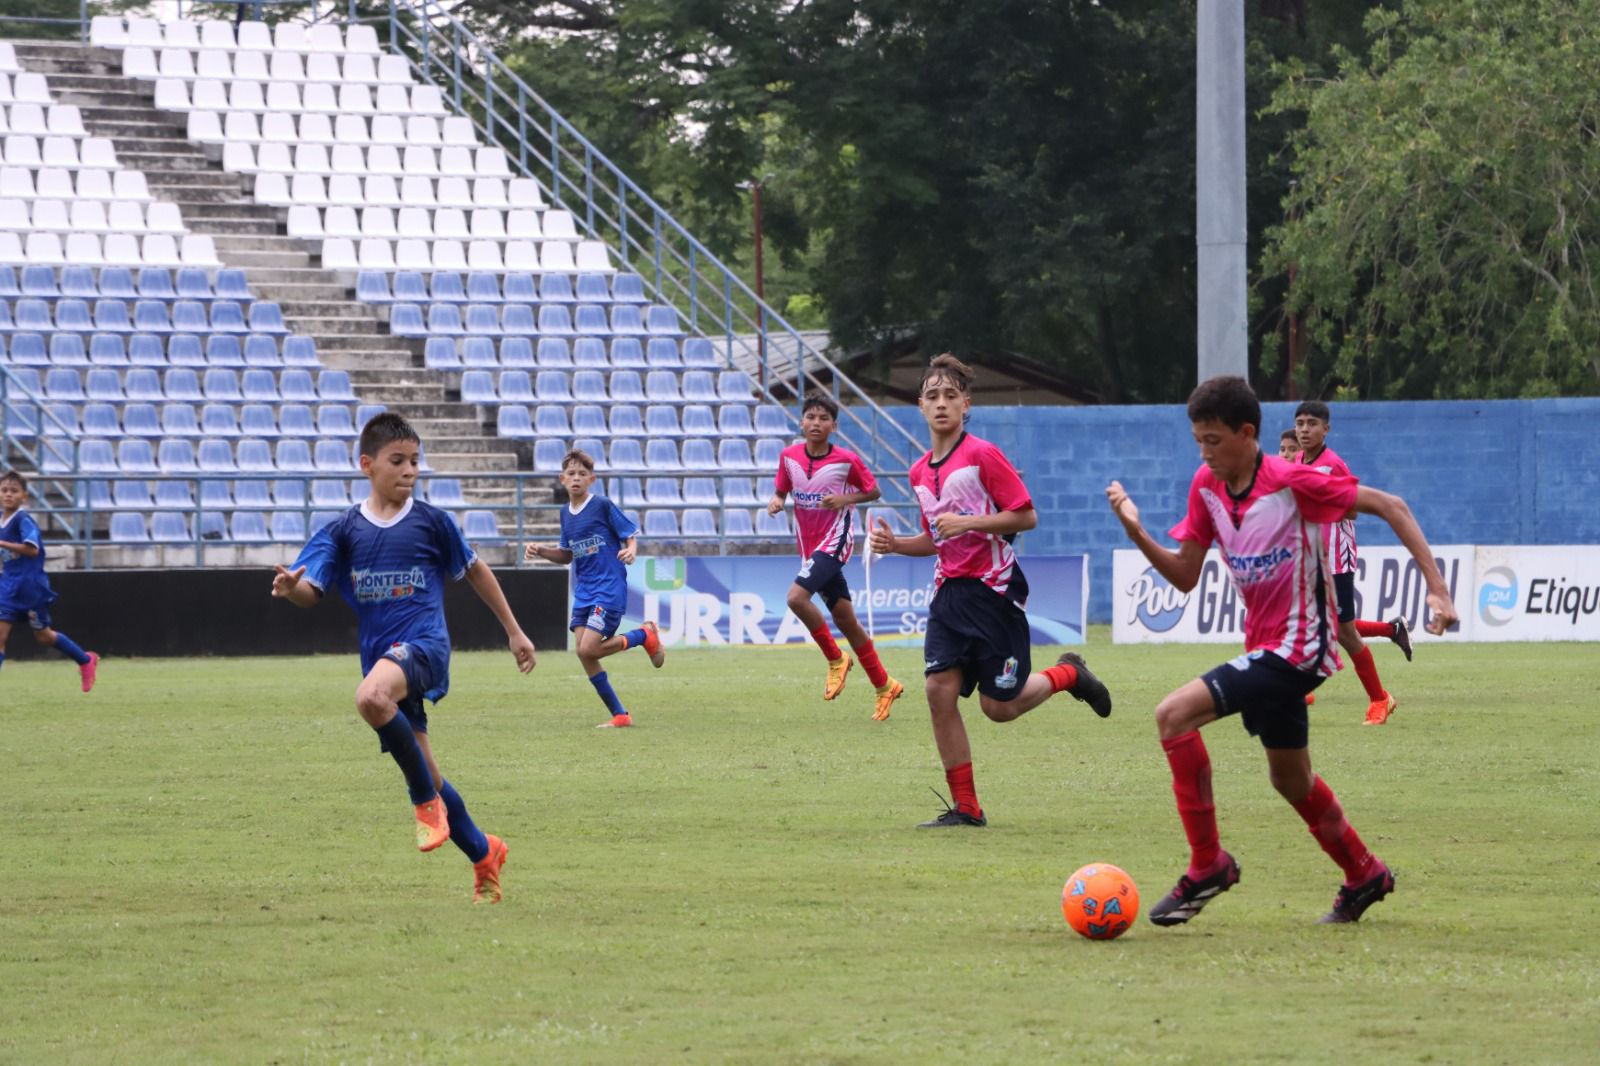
433 824
486 872
652 645
618 721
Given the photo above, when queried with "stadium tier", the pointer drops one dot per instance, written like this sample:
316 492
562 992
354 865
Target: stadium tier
162 313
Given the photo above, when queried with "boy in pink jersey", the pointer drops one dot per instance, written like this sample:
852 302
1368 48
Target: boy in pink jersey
1266 517
973 505
827 482
1311 432
1288 445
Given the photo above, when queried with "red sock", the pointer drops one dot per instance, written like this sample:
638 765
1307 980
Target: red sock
867 656
962 791
1191 784
1326 820
1062 676
1367 671
1375 629
824 641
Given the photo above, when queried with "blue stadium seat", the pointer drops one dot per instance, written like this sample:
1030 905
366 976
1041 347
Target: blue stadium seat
662 421
555 321
547 456
224 350
366 412
40 281
147 351
222 386
659 491
211 526
439 353
261 352
192 284
9 289
74 315
662 354
219 420
294 455
78 282
482 288
768 453
592 289
698 454
662 321
143 385
517 319
662 455
259 386
699 355
254 457
586 351
773 421
227 316
736 523
333 420
477 386
132 495
332 457
588 421
595 449
295 420
627 491
556 289
626 454
699 522
661 386
300 352
482 320
189 316
128 529
552 386
27 349
480 525
409 287
7 325
326 492
735 386
63 383
553 353
248 527
289 492
135 456
733 420
319 519
372 286
107 349
155 283
700 490
61 419
741 490
177 457
257 420
95 456
405 320
516 387
265 317
700 387
626 421
150 316
773 526
519 289
184 349
628 288
232 285
660 524
590 321
551 421
140 420
179 420
216 494
296 386
735 455
627 387
445 287
512 421
174 495
444 320
182 385
66 349
288 527
697 421
516 353
627 321
333 386
446 492
100 420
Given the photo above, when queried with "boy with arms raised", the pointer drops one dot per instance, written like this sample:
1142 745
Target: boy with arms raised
600 543
390 557
827 482
1311 431
973 506
1266 517
25 592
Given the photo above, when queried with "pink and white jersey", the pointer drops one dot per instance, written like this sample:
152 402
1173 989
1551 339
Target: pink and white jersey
1272 543
975 478
1341 535
807 479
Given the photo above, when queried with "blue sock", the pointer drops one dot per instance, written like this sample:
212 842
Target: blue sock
602 685
2 658
634 637
466 836
68 647
400 742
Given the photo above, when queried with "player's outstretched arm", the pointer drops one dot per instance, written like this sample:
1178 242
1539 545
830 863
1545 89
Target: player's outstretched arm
487 586
1393 510
547 553
1181 567
884 541
287 585
1001 523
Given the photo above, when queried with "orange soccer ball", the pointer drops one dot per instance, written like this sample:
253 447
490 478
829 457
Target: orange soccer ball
1100 901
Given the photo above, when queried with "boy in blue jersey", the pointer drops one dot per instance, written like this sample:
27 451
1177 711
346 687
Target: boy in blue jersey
25 592
599 541
390 557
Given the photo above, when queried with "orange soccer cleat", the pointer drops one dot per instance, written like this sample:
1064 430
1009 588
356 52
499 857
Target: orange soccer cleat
618 721
652 645
486 872
891 691
433 824
837 669
1378 711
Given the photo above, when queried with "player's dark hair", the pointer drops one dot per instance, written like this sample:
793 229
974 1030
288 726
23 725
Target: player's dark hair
1315 408
951 369
1228 400
384 429
579 456
12 475
818 398
1288 434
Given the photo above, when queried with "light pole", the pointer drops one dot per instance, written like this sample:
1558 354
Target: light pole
755 188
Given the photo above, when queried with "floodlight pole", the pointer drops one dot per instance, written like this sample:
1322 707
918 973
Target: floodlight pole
1220 225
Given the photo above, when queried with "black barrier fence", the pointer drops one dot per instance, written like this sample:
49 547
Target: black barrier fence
174 613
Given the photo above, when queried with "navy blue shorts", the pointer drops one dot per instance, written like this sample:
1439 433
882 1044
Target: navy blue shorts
603 620
1344 588
1267 694
421 678
822 573
973 628
37 618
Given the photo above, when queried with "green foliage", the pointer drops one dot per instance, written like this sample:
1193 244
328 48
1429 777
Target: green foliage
209 861
1446 201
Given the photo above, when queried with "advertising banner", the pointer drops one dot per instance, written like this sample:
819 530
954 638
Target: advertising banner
1545 593
1147 609
716 601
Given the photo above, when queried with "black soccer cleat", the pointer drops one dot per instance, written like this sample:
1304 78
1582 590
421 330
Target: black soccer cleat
954 817
1089 689
1402 637
1186 900
1351 903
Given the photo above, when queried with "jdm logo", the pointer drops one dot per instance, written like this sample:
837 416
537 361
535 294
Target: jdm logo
1156 605
1497 595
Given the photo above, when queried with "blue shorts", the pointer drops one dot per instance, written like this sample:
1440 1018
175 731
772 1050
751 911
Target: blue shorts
825 574
984 634
603 620
1267 694
36 617
422 677
1344 588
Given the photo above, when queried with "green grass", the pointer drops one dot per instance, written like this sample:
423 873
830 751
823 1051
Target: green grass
208 861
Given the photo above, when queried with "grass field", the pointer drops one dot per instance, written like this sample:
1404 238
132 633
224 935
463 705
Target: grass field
208 861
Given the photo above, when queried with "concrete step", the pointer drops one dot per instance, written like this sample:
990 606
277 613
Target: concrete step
238 209
153 163
183 194
406 375
440 428
479 445
356 342
175 144
272 259
227 227
431 394
389 362
413 409
110 81
285 292
339 308
465 462
270 242
134 128
134 114
326 326
98 98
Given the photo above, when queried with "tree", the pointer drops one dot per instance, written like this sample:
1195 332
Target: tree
1446 193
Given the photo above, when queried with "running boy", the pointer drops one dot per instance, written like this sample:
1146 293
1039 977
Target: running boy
390 557
1311 431
827 483
1265 515
973 506
25 592
600 543
1288 445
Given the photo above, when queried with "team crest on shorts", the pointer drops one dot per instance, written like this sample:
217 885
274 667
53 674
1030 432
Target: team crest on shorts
1007 677
597 618
399 652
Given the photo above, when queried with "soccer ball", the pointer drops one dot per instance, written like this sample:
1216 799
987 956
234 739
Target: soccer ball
1100 901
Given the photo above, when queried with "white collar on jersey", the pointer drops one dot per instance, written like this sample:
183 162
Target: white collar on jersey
579 509
385 523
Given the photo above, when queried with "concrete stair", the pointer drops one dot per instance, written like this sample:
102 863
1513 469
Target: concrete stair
458 438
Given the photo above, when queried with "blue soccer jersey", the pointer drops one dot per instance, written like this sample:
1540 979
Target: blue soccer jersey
594 533
23 584
393 573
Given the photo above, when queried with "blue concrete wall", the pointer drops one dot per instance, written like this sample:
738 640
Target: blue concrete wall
1474 472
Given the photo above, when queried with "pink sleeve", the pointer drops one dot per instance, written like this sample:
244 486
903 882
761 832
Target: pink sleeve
1001 480
782 485
860 476
1196 524
1322 498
